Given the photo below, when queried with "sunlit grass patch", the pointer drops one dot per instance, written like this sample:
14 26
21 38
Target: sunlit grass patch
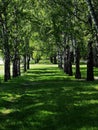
43 114
6 111
9 97
86 102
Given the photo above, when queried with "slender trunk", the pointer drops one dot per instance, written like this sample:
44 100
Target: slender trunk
67 56
90 74
77 64
51 59
15 59
54 59
25 65
7 75
69 64
15 71
96 53
65 60
60 60
18 67
28 62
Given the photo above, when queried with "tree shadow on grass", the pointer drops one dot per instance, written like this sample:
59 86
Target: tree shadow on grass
55 104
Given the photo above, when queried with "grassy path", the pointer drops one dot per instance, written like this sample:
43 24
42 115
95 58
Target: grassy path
46 99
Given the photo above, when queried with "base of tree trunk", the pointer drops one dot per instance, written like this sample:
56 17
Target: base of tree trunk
78 76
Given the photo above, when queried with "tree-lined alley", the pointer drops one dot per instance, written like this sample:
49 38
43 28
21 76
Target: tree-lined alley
63 30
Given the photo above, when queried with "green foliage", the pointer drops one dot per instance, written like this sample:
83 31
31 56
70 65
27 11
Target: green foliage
43 28
44 61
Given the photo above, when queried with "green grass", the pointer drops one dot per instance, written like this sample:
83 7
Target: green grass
45 98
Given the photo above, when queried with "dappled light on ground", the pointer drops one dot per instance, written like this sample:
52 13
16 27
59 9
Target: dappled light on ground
45 98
